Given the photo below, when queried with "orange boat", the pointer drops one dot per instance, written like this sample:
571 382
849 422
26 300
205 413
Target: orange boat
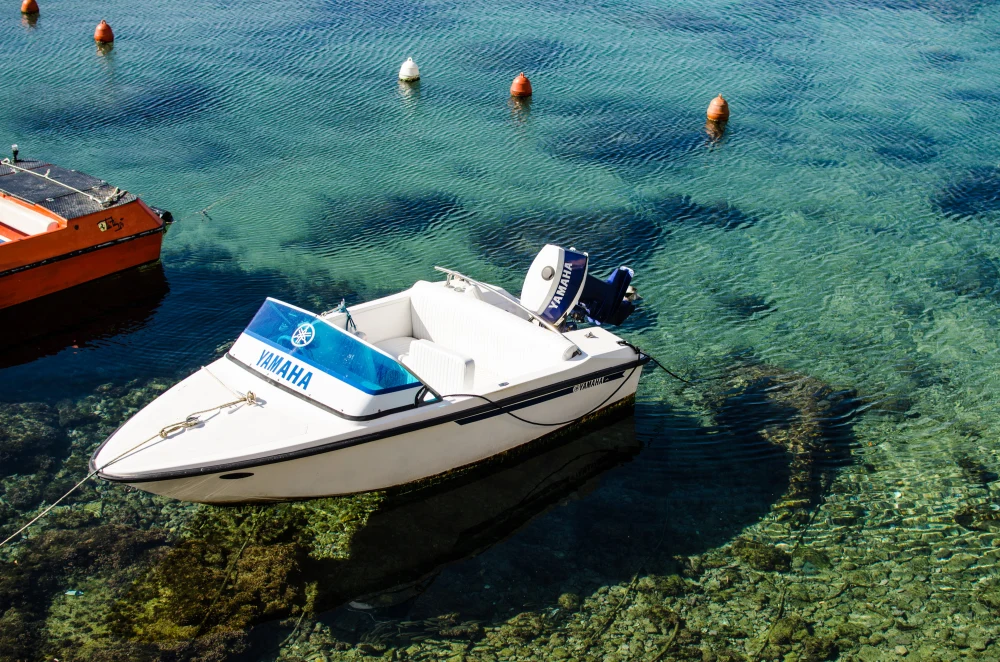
60 228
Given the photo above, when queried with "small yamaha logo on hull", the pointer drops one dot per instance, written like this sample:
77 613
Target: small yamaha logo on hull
590 384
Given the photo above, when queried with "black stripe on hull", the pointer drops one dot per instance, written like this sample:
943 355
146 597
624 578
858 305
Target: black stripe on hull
81 251
514 402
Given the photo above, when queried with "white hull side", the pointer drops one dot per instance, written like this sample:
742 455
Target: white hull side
396 460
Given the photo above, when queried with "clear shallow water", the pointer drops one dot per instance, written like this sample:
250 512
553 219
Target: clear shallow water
845 229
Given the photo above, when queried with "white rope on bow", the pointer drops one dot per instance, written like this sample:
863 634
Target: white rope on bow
189 421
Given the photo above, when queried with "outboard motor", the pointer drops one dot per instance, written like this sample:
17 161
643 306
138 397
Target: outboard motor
558 286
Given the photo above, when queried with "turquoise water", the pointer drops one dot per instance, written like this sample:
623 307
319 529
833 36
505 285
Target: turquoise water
841 240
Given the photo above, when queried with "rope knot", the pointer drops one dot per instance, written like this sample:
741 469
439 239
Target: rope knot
188 422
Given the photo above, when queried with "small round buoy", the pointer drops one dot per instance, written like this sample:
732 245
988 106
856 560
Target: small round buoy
103 33
521 87
29 7
718 110
409 72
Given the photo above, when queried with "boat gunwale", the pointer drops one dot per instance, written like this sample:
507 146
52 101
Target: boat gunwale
79 251
536 395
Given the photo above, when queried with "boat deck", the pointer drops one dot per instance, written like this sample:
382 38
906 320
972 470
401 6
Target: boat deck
54 195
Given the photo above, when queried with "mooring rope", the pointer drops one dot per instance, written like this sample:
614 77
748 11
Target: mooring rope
189 421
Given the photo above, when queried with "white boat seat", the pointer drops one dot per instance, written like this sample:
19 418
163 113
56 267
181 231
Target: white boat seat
496 340
396 347
440 368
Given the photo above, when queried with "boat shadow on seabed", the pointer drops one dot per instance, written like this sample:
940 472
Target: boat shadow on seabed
448 559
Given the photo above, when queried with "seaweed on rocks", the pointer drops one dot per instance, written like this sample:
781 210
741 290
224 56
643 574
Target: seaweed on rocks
144 105
340 222
976 193
683 210
29 432
622 136
942 58
762 556
614 236
900 143
972 275
745 306
231 569
514 53
55 558
617 236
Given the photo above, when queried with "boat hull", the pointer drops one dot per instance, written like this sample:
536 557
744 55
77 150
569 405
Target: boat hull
75 269
409 460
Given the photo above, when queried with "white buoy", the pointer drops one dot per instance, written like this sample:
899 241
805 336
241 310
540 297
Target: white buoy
409 71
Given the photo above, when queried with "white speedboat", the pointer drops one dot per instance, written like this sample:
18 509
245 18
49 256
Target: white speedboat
435 378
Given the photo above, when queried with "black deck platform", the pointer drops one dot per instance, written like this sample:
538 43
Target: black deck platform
58 199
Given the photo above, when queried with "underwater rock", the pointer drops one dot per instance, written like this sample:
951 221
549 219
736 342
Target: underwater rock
975 472
979 517
27 432
798 414
761 556
988 594
978 192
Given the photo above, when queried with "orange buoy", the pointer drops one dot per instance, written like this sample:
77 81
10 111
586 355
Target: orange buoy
718 110
103 33
521 87
29 7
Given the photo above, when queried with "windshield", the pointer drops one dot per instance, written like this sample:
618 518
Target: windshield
329 349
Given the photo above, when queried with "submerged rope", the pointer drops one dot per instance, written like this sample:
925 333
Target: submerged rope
653 360
189 422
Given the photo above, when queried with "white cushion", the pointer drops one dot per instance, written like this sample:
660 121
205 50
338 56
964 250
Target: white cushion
383 319
496 340
23 219
396 347
440 368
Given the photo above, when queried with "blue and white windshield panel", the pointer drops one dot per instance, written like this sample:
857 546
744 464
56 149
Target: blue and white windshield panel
308 355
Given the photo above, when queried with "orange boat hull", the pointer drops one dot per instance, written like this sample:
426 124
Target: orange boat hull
67 271
54 234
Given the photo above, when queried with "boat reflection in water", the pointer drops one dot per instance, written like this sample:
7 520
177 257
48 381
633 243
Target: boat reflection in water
396 555
81 316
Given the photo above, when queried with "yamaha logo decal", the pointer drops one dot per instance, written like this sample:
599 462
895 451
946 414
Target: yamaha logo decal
303 335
